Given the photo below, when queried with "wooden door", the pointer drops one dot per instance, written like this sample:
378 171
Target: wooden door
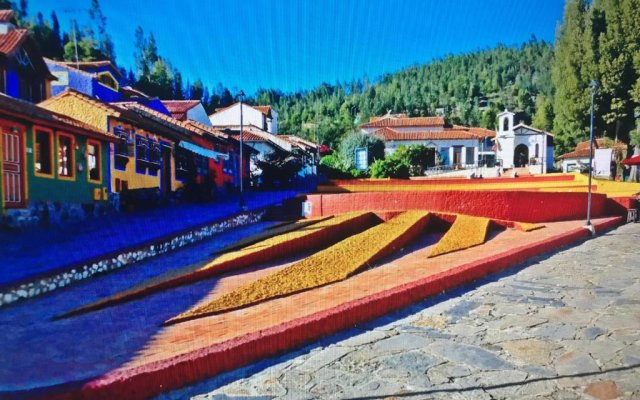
13 168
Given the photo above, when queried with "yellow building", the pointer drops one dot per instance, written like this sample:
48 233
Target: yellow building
148 153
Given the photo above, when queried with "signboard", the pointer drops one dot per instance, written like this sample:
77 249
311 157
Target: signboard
362 158
602 162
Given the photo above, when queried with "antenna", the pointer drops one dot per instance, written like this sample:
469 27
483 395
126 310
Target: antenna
73 29
75 43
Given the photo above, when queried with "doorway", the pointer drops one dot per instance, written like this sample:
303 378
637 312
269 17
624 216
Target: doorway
521 156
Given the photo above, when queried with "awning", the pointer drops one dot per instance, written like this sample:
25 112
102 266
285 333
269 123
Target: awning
194 148
632 160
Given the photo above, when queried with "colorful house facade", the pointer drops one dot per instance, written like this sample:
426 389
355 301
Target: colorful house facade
54 168
224 169
146 154
23 72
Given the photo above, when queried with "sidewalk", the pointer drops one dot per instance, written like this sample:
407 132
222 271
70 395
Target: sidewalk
34 252
564 327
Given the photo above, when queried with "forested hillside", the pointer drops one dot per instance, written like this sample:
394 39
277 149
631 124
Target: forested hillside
469 89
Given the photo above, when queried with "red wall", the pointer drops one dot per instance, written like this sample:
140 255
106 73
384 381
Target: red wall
508 205
459 181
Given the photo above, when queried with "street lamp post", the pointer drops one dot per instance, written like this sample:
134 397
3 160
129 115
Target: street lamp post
242 204
593 86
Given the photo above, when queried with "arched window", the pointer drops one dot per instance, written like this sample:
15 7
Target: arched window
505 124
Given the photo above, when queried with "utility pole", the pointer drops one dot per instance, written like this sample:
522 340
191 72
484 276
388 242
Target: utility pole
593 86
242 204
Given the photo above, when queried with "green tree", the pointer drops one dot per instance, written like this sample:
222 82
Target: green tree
570 77
83 44
543 118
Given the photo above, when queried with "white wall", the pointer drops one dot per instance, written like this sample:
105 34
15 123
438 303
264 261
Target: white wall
250 116
199 114
505 139
272 124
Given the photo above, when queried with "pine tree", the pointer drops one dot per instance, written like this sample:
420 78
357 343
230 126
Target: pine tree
105 44
178 90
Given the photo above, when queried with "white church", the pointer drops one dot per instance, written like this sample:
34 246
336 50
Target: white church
522 146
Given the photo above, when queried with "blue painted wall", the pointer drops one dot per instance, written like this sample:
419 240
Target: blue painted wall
13 84
82 82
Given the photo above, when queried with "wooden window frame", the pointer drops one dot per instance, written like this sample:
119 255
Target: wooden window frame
98 147
72 177
52 146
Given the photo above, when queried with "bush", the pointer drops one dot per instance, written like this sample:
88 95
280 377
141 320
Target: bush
334 167
404 162
390 168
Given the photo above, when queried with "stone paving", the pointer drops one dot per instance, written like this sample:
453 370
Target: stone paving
565 327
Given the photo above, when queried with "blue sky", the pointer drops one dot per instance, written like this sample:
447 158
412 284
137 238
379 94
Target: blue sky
298 44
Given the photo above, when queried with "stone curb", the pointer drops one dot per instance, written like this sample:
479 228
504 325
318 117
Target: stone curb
69 275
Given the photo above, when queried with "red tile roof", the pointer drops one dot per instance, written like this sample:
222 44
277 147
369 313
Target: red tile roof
156 116
249 136
482 132
406 122
6 15
179 108
12 40
266 110
203 129
448 134
582 148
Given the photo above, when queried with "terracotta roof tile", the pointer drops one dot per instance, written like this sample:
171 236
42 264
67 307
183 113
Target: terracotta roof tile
482 132
203 129
266 110
406 122
449 134
12 40
156 116
582 148
179 108
6 15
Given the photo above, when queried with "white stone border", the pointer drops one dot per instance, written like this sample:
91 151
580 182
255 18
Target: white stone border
61 279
